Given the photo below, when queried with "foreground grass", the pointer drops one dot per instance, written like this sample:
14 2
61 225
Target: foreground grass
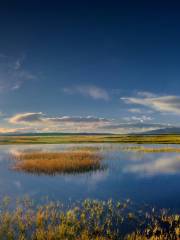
52 163
89 220
139 139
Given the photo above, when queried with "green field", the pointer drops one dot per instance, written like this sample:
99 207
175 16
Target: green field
68 138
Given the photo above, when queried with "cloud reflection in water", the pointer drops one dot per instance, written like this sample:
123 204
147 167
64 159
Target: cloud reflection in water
155 166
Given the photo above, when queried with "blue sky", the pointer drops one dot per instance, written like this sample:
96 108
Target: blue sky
89 66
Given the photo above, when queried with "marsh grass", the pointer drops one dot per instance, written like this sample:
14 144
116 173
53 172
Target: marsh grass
52 163
87 148
71 138
143 149
88 220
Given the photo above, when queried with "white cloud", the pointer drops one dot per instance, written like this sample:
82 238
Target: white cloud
167 104
40 122
12 73
43 123
39 117
89 91
88 119
146 94
135 110
133 127
141 119
15 130
26 118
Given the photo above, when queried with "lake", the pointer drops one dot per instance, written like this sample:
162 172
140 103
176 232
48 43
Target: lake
151 178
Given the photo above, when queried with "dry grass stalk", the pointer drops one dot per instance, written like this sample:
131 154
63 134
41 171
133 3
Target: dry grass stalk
56 162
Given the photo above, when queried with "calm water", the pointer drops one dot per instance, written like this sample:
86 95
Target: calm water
144 178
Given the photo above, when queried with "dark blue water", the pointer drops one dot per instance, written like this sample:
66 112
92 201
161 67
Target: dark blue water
144 178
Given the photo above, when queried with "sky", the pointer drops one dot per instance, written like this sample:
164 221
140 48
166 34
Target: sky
89 66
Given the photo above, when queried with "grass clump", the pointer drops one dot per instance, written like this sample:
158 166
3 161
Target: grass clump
87 148
158 227
143 149
89 220
52 163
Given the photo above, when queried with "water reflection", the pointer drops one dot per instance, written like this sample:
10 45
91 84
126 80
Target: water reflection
155 166
142 177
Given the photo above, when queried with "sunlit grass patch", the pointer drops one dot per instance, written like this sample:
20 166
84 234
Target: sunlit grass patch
56 162
144 149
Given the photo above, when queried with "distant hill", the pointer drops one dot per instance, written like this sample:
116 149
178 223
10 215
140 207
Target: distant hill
169 130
